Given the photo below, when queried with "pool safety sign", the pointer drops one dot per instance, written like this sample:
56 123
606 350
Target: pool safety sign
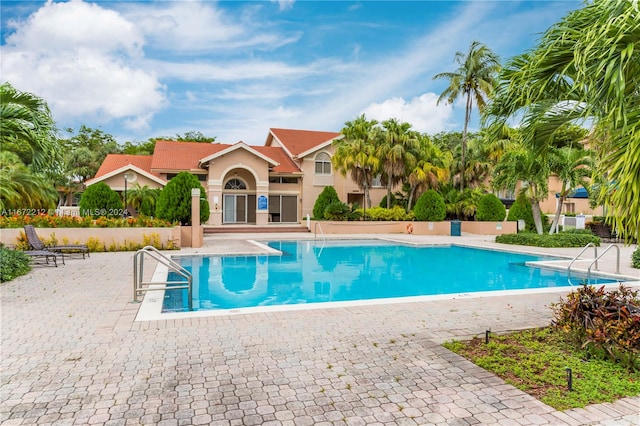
263 203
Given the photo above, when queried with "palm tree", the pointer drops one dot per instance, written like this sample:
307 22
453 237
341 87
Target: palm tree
397 150
586 67
573 167
431 168
27 128
355 153
474 79
522 165
143 199
21 188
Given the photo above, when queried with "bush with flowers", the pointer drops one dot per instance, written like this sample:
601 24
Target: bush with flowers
54 221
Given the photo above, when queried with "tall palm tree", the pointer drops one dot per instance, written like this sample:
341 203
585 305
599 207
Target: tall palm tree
474 79
397 150
27 128
586 66
355 153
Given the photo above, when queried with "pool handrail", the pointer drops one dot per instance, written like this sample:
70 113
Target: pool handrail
595 260
138 274
315 231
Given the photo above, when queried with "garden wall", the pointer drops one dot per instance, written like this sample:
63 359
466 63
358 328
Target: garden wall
419 228
107 236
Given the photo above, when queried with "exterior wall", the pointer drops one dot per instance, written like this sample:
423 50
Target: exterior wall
253 170
116 182
571 205
312 185
417 228
108 236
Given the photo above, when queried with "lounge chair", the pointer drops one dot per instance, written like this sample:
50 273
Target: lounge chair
36 244
46 255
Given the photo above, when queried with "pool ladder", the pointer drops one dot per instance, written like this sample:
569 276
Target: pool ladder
140 286
596 257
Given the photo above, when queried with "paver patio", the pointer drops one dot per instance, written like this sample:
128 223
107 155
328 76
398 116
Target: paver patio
72 354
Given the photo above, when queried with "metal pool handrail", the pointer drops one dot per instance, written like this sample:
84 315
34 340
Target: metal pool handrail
595 260
315 231
139 285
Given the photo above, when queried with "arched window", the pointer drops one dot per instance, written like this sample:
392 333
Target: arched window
235 183
323 164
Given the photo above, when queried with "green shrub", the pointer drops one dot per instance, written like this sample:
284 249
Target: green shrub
13 263
430 207
490 208
635 258
396 213
326 197
563 239
174 201
100 200
605 324
337 211
521 209
383 202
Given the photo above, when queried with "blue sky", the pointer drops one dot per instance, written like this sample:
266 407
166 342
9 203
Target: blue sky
141 69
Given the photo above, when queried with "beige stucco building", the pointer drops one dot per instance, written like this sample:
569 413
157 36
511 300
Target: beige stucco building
275 183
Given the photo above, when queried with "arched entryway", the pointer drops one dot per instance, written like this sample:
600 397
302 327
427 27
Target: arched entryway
239 197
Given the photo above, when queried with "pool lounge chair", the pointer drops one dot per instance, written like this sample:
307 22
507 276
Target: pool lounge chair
36 244
45 255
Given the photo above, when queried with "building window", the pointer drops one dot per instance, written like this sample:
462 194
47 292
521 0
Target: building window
280 179
376 182
323 164
235 183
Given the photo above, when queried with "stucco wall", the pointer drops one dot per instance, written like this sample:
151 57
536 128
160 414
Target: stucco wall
107 236
418 228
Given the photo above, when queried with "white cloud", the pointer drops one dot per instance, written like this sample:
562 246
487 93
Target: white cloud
284 4
82 59
421 112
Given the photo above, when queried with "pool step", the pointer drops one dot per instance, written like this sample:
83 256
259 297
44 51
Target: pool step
252 229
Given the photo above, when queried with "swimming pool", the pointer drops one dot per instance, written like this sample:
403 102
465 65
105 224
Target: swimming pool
335 271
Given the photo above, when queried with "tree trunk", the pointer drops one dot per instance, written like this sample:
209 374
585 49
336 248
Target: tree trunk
537 216
412 191
389 195
467 118
556 218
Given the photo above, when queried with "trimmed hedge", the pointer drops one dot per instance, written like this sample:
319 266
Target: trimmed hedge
562 239
490 209
13 263
521 209
47 221
396 213
174 201
430 207
635 258
100 200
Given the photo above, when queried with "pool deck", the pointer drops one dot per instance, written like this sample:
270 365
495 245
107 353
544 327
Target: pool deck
73 354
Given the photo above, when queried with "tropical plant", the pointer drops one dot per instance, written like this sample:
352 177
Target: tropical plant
397 150
174 201
431 169
27 128
523 166
430 207
635 258
474 79
143 199
572 166
13 263
355 153
337 210
100 200
585 67
460 205
21 188
490 208
327 196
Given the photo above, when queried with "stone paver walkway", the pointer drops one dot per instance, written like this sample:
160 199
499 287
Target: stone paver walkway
72 354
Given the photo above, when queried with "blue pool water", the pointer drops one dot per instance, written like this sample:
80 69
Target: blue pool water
313 272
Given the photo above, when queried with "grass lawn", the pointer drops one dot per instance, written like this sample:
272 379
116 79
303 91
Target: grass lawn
535 361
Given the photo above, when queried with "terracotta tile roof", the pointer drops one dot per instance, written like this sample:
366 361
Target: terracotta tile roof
171 155
299 141
116 161
277 154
